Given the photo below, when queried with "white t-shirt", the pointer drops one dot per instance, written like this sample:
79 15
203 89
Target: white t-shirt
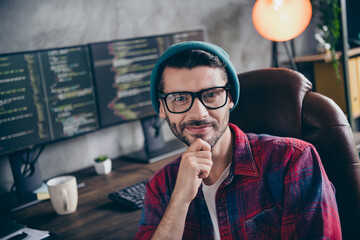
209 194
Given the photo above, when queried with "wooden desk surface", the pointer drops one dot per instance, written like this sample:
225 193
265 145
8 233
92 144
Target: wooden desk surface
96 217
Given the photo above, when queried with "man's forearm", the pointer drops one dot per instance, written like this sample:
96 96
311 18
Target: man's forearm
173 222
195 165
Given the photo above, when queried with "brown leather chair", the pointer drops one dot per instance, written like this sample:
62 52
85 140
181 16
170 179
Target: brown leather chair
280 102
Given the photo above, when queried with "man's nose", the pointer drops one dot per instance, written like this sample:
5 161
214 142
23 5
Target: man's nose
198 110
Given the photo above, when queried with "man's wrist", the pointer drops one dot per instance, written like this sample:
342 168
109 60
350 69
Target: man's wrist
179 202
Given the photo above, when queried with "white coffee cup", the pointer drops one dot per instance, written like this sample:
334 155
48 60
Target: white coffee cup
63 194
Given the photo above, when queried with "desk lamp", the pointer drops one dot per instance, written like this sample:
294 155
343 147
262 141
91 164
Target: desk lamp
281 20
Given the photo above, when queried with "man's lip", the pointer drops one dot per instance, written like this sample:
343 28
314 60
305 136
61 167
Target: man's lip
198 129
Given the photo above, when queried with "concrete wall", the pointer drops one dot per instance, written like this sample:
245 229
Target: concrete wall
39 24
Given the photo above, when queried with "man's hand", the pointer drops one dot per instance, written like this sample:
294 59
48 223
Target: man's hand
195 165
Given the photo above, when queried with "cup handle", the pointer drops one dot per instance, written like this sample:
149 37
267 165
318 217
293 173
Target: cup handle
65 199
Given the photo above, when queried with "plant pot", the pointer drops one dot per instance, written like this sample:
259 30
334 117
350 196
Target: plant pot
104 167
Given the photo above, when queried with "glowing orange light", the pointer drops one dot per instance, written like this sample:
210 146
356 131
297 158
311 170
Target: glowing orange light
281 20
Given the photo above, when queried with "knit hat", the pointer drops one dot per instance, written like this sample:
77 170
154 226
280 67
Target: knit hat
195 45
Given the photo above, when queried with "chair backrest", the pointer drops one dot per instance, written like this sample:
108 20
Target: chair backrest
280 102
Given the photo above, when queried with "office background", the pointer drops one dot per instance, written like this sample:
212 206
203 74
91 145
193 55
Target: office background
42 24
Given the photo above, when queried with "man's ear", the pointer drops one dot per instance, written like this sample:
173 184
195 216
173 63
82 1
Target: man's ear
161 109
231 102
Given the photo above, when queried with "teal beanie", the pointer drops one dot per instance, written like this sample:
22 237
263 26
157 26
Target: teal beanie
195 45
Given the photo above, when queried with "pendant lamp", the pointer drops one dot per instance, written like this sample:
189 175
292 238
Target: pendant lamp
281 20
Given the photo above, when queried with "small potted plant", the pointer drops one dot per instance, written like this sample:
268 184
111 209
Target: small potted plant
102 165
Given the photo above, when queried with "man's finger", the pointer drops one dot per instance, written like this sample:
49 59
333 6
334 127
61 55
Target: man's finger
199 145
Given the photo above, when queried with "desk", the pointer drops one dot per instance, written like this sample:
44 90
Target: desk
96 216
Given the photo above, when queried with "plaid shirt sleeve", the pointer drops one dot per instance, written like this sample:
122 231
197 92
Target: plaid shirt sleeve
158 194
310 209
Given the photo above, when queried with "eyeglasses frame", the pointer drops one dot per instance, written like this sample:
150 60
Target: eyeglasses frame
194 95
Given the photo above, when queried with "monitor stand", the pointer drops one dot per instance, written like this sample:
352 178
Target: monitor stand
27 177
155 148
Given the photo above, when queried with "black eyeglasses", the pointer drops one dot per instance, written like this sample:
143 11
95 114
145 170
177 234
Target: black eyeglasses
211 98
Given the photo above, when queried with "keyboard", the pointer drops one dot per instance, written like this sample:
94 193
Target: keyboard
131 197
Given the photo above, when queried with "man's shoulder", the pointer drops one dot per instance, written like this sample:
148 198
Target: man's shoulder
269 152
268 141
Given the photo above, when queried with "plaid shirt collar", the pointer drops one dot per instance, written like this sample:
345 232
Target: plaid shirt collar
243 160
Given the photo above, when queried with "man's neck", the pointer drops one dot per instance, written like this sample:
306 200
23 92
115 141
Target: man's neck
222 154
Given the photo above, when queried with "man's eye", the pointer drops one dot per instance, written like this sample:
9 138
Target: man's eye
178 98
210 94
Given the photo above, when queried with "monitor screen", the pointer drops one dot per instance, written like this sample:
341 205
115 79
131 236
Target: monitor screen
69 91
122 72
23 119
45 96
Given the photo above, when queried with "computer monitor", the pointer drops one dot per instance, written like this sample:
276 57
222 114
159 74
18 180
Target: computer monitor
45 96
122 70
23 120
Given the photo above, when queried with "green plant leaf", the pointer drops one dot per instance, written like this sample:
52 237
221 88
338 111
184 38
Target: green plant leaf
330 17
101 158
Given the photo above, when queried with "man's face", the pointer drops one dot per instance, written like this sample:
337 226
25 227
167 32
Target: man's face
198 121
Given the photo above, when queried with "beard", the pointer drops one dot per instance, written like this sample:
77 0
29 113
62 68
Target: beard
178 130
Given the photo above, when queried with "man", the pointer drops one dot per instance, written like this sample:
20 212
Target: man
228 184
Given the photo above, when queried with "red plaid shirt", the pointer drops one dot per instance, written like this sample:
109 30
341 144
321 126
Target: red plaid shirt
277 189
